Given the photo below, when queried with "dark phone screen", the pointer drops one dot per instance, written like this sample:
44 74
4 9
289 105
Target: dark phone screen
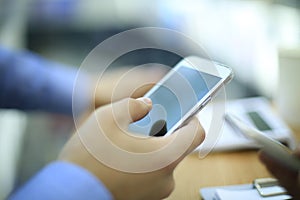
259 122
173 99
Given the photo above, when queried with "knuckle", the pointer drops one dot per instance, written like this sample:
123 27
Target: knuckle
200 132
130 101
169 168
104 115
169 187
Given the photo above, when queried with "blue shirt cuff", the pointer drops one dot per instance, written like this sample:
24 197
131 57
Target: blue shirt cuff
62 180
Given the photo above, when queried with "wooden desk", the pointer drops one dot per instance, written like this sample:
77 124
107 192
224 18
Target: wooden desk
217 169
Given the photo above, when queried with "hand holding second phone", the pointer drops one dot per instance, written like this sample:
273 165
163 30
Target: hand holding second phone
288 178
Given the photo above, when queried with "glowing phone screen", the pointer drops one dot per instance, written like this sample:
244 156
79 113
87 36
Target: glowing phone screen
173 99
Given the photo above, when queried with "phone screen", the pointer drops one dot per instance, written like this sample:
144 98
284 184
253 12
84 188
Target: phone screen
258 121
172 99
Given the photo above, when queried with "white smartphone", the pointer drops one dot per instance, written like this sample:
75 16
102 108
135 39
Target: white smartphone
272 147
184 91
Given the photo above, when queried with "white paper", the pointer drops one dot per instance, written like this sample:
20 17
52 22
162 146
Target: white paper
252 194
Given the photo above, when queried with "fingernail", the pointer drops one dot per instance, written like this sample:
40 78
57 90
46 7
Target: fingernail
146 100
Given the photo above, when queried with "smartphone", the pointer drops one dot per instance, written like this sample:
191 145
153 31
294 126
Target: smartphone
183 92
272 147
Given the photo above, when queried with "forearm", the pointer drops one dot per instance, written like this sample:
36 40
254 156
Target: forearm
29 82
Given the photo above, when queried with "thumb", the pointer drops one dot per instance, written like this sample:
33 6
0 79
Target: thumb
130 110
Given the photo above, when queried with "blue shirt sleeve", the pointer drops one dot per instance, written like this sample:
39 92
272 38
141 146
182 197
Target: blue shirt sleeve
29 82
62 181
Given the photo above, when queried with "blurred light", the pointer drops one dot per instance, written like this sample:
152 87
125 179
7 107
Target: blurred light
243 34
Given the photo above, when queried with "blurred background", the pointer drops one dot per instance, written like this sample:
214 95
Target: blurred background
249 36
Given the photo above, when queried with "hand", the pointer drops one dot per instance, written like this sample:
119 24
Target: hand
126 82
114 119
288 178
